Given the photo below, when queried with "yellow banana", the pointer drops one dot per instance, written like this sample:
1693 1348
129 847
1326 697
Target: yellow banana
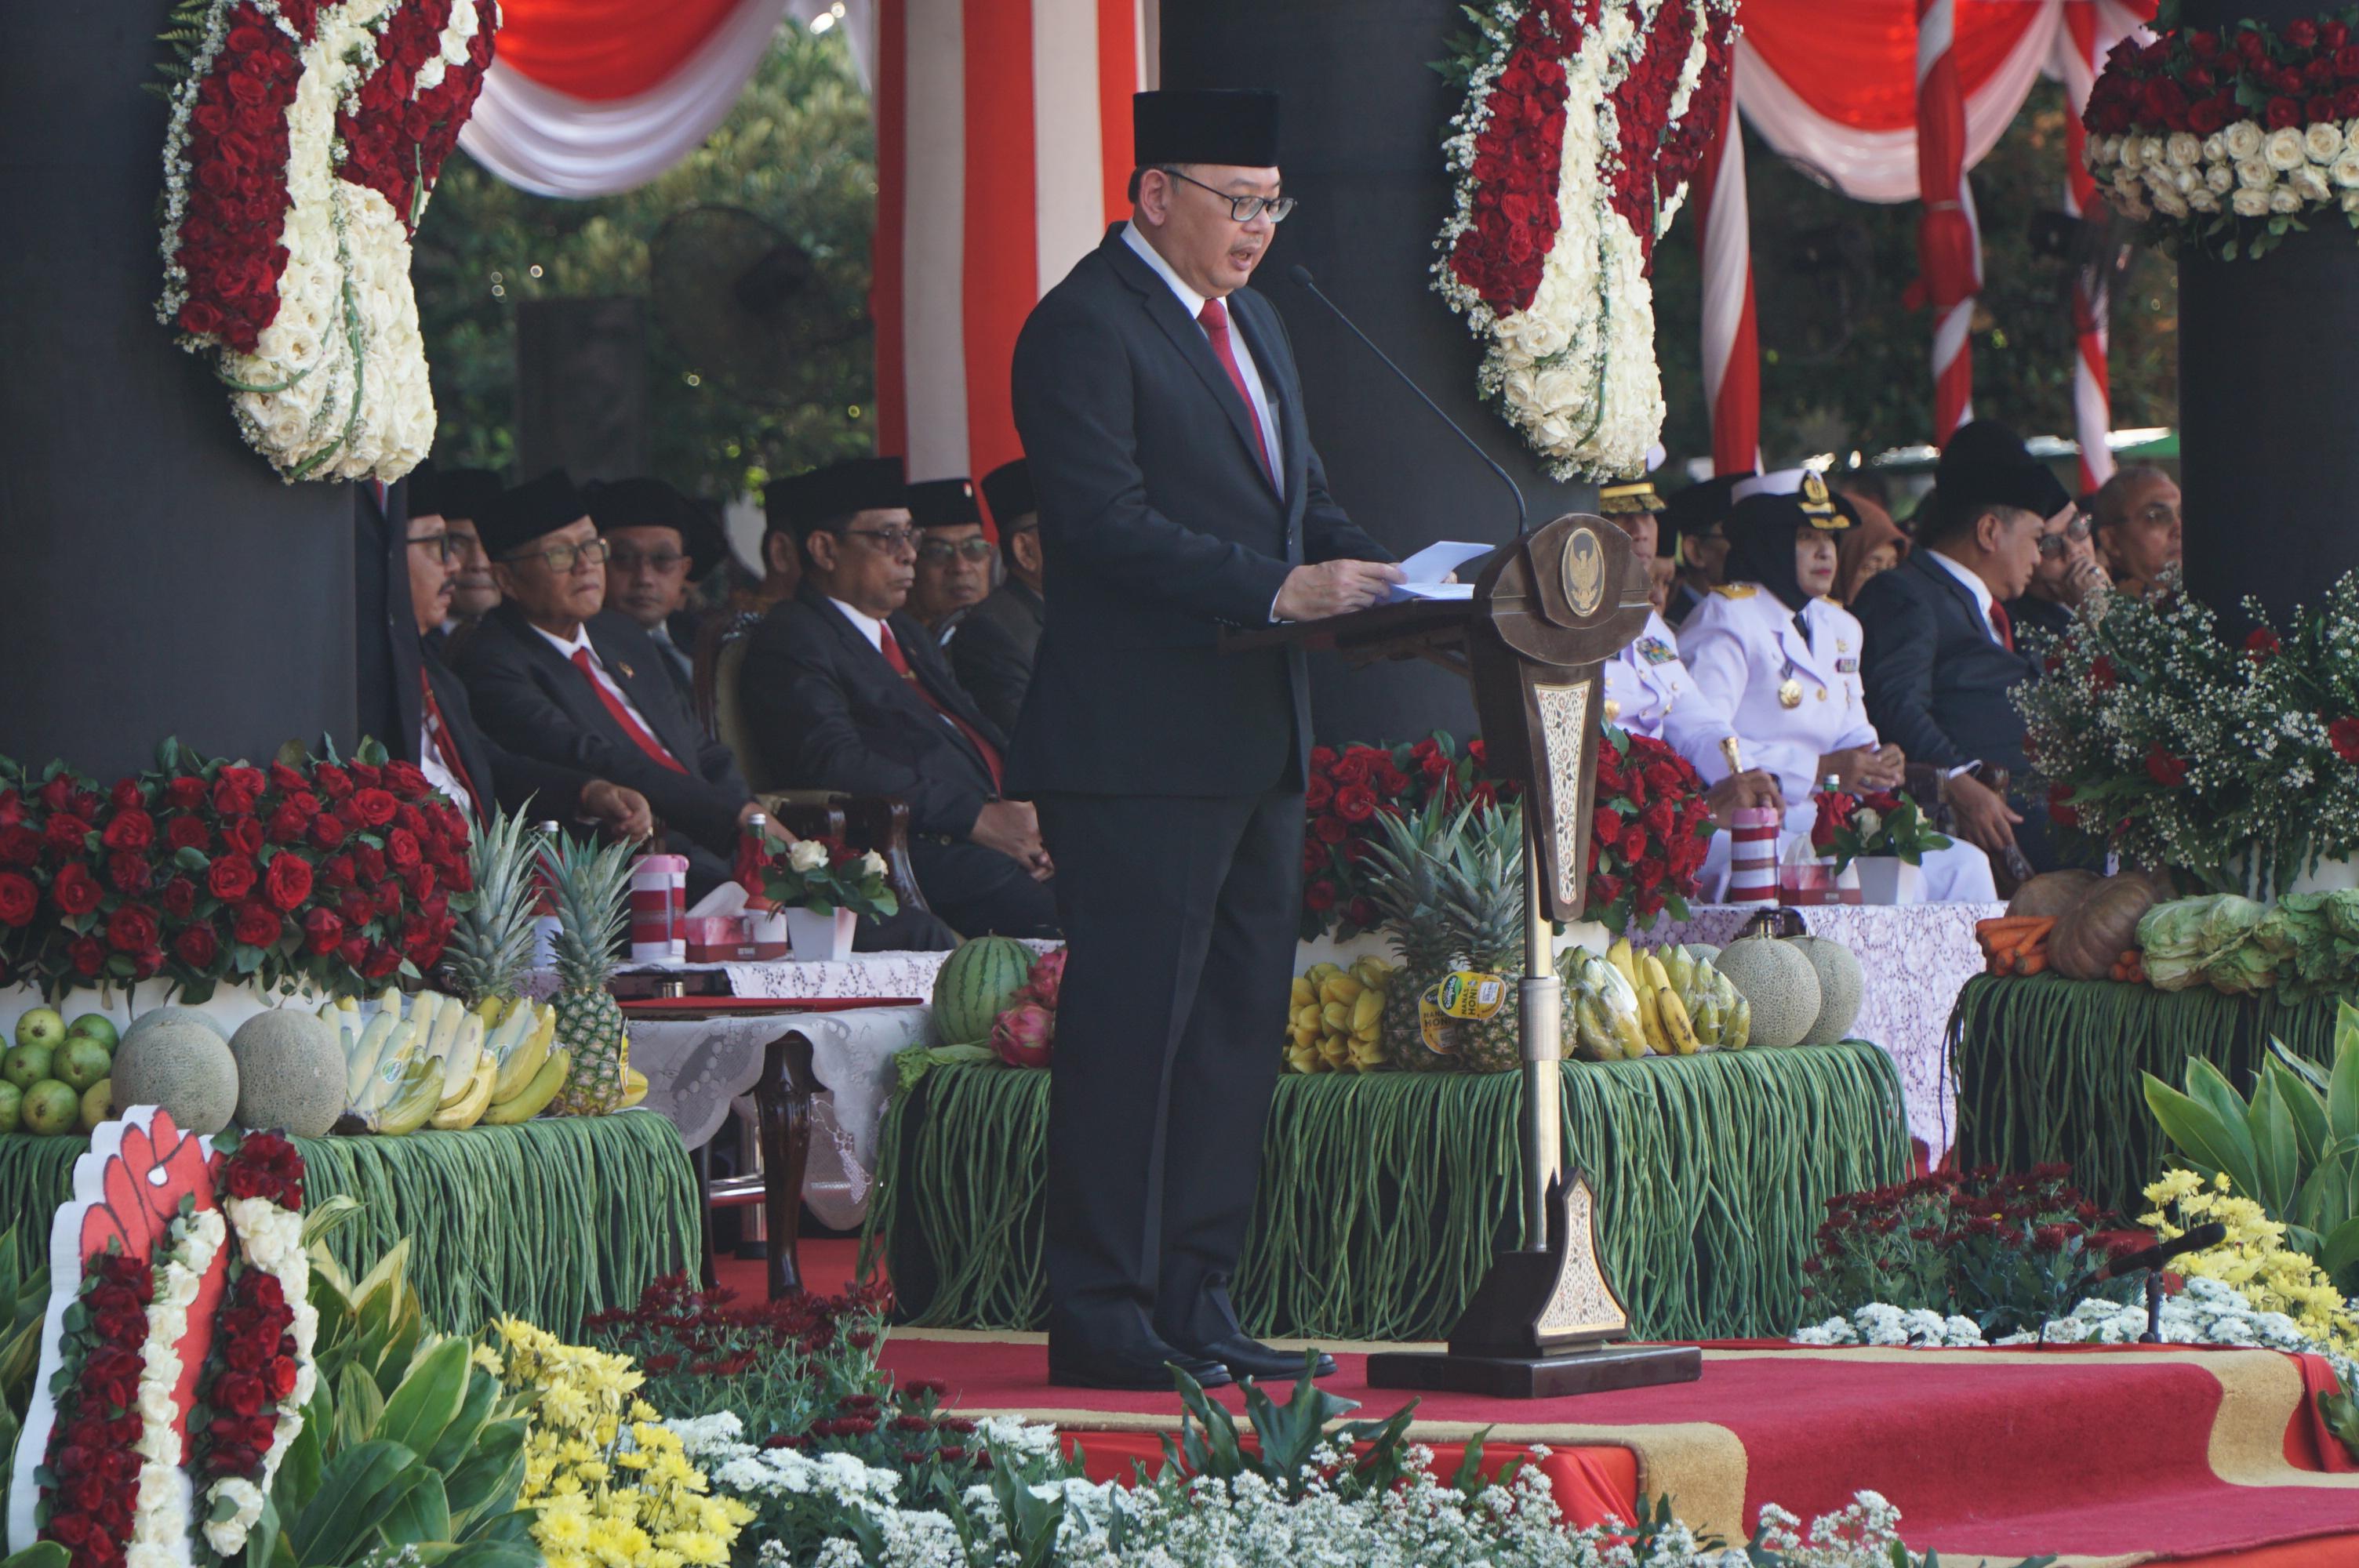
1738 1031
524 1061
1650 1021
536 1094
1594 1044
468 1108
1625 961
1676 1027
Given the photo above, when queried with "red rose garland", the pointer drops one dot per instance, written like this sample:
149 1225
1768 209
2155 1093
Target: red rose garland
1346 791
1518 155
1650 831
90 1489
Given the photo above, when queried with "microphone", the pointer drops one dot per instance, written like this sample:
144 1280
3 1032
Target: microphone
2155 1256
1301 275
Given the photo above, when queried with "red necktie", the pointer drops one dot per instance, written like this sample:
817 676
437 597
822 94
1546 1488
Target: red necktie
1214 318
2002 626
446 749
891 648
621 714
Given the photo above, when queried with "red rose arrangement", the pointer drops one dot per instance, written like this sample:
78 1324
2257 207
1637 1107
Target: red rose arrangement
333 872
1513 218
1667 151
1346 790
2202 80
1650 830
1881 822
87 1505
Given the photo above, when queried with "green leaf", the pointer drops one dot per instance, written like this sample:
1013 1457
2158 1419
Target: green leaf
422 1514
359 1405
360 1487
2199 1133
2276 1153
2342 1091
2306 1108
40 1554
429 1399
458 1439
486 1481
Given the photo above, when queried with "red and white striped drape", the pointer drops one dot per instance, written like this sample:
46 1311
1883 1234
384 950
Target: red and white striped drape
1732 342
1003 152
1948 240
2092 415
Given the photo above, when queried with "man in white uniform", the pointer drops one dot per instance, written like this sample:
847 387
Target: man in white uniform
1782 660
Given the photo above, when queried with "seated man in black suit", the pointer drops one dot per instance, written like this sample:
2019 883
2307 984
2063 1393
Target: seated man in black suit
1939 661
848 692
953 557
2069 575
992 655
439 724
660 542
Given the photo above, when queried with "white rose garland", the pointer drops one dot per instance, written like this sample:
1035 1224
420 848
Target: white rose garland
270 1238
160 1526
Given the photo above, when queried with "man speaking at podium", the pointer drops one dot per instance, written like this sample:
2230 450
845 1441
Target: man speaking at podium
1163 420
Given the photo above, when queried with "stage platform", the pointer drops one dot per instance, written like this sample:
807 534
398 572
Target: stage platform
2105 1456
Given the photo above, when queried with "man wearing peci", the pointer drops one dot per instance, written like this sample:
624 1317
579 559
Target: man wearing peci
1164 426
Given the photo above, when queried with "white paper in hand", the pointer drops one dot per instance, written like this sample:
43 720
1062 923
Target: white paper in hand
1425 570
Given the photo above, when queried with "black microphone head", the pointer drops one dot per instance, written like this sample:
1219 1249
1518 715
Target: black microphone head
1301 275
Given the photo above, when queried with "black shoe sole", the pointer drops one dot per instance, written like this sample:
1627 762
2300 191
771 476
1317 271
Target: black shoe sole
1159 1381
1292 1374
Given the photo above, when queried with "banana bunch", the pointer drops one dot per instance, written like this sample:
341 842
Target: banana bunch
447 1064
1335 1018
1665 1003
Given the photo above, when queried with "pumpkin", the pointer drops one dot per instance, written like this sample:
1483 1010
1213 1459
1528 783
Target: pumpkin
2101 927
2050 894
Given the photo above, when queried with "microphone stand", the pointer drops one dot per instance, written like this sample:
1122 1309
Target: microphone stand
2151 1260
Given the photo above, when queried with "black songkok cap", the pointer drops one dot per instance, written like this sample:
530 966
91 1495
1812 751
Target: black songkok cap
943 504
461 493
652 503
1007 491
1205 125
517 517
1986 464
836 491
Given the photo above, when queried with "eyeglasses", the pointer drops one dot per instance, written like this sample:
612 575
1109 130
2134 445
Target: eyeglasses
892 541
450 546
663 563
975 549
563 558
1243 209
2076 532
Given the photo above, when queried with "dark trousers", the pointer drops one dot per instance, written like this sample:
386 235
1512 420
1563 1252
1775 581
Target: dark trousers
979 891
1180 918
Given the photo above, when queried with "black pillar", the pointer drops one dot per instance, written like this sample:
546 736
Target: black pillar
159 579
1360 142
2267 378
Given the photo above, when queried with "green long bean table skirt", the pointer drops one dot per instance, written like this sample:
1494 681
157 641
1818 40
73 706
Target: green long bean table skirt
546 1220
2049 1070
1383 1197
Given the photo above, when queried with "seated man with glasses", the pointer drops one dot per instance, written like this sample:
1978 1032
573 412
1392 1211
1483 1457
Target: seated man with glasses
2138 521
953 557
2068 575
1940 658
660 544
556 676
849 692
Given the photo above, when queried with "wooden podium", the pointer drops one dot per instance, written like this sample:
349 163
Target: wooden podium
1548 610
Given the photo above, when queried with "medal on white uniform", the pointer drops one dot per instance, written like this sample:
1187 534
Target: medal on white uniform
1790 690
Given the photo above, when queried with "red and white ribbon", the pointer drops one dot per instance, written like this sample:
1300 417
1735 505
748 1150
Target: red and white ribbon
2076 58
1731 343
1948 240
1753 855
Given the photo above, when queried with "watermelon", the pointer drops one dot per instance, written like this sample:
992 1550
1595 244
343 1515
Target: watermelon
977 983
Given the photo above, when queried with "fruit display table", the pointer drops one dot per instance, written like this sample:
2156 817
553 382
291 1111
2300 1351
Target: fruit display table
1383 1195
1914 956
2049 1070
548 1220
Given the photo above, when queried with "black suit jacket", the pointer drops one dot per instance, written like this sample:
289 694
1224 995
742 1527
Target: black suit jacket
1937 683
832 714
505 778
2044 615
385 650
992 655
1159 526
528 698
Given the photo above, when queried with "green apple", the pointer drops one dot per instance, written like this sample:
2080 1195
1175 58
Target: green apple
42 1026
24 1066
96 1101
51 1108
96 1026
12 1106
81 1063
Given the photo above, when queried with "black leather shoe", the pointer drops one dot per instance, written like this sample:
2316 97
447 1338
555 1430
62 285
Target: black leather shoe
1247 1357
1141 1367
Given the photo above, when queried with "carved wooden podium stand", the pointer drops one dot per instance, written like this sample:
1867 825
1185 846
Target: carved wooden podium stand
1548 610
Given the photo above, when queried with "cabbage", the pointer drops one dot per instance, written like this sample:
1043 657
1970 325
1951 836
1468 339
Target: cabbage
2232 942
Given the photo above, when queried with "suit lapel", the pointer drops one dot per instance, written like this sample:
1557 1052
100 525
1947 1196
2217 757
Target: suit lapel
1189 338
932 675
650 691
870 657
1245 313
565 683
1923 560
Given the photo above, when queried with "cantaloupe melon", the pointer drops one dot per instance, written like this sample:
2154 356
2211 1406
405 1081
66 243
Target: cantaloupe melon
1842 986
176 1059
1778 982
291 1071
157 1017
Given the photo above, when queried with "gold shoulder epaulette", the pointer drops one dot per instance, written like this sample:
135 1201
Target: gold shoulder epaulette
1734 590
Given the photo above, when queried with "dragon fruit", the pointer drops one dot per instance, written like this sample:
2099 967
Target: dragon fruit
1023 1035
1048 979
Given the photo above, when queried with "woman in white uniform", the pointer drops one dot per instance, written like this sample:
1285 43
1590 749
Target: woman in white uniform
1781 659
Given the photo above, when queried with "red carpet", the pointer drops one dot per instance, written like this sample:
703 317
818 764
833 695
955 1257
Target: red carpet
2113 1457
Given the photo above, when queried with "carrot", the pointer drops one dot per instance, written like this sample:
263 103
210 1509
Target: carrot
2009 927
2033 964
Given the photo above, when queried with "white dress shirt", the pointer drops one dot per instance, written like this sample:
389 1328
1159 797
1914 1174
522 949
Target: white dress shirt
1983 599
597 669
867 625
429 762
1193 302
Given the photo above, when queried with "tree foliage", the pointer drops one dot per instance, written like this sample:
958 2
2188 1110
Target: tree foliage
798 150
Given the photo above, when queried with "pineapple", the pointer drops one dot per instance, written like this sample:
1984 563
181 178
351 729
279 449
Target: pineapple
1450 887
492 943
593 889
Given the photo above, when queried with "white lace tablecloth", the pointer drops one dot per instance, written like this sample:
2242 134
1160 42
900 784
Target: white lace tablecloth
1917 958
